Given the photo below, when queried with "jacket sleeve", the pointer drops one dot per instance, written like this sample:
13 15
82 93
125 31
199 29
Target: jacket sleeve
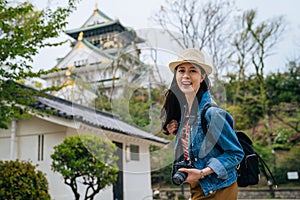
220 126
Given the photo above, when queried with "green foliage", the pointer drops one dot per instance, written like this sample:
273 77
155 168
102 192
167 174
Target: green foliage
287 116
181 197
244 106
161 162
246 115
265 152
241 120
283 135
135 110
23 32
284 87
86 159
162 176
290 163
103 103
282 97
20 180
139 105
283 138
140 111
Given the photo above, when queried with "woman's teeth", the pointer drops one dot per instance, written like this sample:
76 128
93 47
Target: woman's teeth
186 83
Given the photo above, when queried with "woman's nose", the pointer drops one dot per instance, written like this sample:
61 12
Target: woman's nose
186 75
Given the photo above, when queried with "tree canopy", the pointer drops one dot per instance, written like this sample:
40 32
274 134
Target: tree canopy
86 159
23 32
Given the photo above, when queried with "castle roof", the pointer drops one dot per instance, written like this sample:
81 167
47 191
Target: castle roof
100 24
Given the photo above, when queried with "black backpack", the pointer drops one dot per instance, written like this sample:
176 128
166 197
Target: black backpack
252 164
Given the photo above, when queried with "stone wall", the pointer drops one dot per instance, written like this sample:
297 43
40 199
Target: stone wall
265 193
244 193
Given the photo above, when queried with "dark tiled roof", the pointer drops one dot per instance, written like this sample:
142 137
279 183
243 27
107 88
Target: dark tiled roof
92 117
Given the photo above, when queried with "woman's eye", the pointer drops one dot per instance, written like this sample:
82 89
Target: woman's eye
181 70
193 71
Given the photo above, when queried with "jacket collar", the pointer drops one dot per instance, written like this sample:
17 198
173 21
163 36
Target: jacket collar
206 99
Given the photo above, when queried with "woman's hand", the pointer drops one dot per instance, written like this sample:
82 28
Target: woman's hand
172 127
195 174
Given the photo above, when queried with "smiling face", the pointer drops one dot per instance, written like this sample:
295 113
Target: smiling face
189 78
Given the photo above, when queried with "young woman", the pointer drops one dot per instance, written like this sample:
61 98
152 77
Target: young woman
211 171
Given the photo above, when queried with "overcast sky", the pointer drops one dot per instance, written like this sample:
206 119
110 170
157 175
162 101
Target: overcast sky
137 13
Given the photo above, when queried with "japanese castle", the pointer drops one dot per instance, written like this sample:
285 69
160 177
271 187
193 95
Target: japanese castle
104 57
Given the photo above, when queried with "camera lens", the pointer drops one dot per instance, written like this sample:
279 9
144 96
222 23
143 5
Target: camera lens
179 178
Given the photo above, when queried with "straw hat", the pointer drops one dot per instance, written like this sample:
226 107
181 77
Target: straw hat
193 56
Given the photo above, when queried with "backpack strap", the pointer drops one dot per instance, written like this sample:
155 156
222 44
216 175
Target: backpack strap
204 126
264 166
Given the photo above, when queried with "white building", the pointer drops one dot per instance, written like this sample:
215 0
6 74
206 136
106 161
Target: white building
104 55
34 138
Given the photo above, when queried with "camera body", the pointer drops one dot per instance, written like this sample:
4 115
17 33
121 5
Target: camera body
179 177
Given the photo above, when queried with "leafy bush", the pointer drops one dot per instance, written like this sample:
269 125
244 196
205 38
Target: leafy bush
20 180
289 163
87 160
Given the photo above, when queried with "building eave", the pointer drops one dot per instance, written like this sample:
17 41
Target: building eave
90 116
87 28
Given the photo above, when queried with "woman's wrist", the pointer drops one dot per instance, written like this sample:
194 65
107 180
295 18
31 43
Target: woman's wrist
201 174
205 171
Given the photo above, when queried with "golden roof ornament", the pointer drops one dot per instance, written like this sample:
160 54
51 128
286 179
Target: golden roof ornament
96 7
80 36
68 71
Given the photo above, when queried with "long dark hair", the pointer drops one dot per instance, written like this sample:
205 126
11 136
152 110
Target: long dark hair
175 100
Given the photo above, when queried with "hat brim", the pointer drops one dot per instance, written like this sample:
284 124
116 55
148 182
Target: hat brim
173 65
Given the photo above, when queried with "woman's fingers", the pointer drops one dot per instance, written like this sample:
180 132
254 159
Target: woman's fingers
193 174
172 127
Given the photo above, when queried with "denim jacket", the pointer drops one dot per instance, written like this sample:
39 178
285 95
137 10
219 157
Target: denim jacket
203 152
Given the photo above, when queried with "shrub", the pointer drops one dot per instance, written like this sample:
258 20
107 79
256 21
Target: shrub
20 180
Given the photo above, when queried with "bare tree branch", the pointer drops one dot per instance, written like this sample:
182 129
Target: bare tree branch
200 25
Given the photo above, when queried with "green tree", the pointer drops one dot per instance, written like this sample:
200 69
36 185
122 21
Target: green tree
264 36
283 93
284 86
21 180
253 43
86 159
241 45
246 108
23 32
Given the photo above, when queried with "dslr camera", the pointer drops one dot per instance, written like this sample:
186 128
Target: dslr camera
179 177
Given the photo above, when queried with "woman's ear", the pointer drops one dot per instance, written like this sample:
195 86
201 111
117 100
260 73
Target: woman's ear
203 76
